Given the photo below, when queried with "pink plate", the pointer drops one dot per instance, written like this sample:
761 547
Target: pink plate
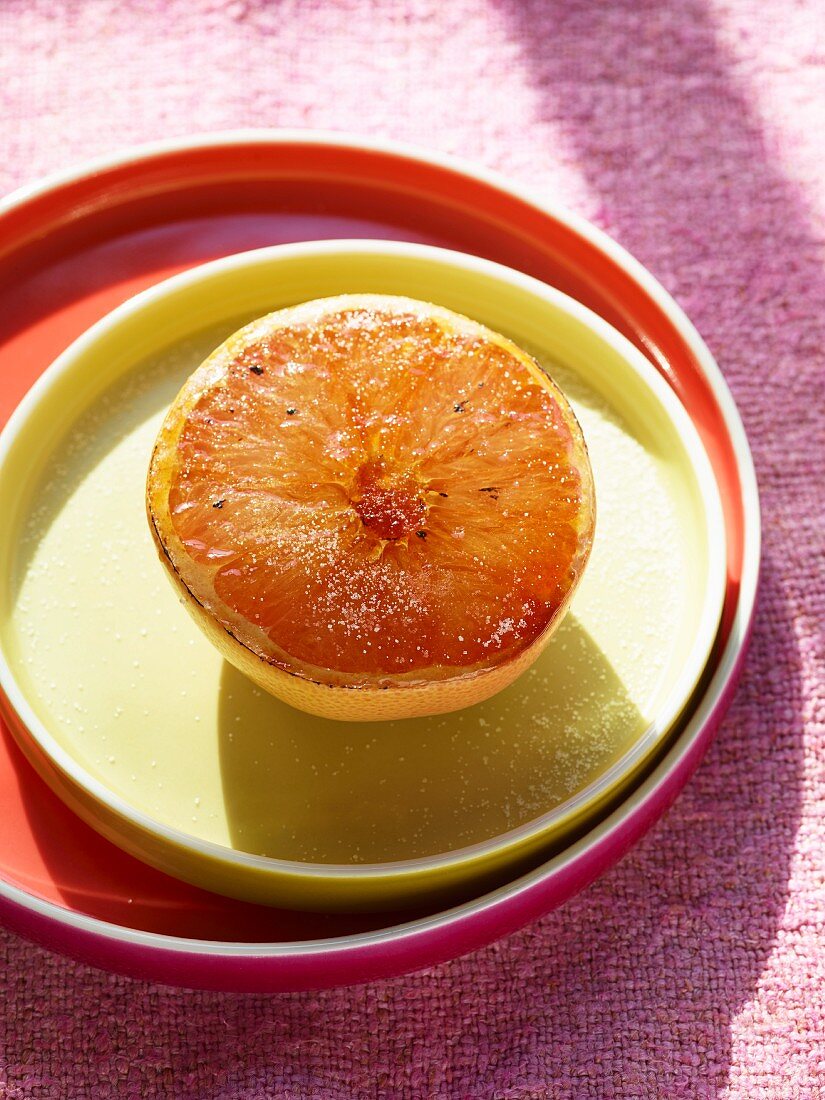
83 242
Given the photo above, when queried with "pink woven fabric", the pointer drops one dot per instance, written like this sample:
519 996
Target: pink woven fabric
693 133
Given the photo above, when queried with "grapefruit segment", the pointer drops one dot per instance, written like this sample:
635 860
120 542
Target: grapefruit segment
376 507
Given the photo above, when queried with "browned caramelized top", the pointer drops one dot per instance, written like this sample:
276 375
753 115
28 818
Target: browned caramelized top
383 493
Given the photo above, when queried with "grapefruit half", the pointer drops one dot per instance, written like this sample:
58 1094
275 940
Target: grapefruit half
375 508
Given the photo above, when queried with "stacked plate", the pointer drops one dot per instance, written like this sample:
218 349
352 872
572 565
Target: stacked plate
166 819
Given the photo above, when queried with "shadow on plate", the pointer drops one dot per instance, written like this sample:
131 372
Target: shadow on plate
311 789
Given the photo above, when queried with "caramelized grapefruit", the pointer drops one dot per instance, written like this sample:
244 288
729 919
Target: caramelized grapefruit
375 508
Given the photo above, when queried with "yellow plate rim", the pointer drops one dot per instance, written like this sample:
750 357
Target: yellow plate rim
653 736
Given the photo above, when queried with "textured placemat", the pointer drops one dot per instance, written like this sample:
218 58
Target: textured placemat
693 133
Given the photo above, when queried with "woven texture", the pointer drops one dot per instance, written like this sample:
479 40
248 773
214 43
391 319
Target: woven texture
692 132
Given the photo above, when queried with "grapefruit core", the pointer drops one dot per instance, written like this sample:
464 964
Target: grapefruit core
374 507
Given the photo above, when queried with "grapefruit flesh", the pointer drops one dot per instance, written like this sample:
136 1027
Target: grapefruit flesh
376 508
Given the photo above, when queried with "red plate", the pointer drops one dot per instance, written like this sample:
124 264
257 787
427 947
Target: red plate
77 246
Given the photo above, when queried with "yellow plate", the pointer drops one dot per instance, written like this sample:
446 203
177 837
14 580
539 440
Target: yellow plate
132 716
